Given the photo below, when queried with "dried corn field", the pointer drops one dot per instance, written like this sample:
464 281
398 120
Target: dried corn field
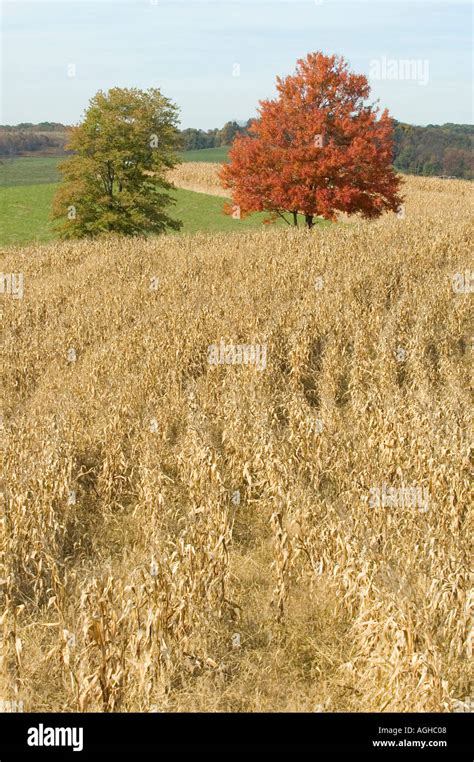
202 177
185 536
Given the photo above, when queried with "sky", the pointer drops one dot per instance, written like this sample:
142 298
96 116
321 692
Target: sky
216 59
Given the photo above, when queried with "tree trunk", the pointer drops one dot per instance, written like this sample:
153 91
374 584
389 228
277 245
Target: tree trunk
309 220
295 219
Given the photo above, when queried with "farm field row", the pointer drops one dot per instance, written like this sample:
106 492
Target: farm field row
199 203
24 214
191 536
31 170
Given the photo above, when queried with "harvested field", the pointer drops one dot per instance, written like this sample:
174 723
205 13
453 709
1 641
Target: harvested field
184 536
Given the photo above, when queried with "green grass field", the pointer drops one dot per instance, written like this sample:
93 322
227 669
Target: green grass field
25 209
217 155
33 170
30 170
24 213
27 187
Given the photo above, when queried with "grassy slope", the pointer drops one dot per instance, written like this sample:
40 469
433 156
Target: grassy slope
218 155
27 187
24 214
30 171
42 169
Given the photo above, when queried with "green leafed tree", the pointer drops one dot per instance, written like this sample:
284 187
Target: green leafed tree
115 179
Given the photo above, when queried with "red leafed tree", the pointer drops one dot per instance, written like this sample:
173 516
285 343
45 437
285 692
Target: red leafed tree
317 149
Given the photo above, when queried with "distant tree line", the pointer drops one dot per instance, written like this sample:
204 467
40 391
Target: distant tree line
433 150
40 127
43 139
195 139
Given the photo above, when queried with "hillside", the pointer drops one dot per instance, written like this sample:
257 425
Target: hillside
44 139
441 150
28 185
288 536
446 149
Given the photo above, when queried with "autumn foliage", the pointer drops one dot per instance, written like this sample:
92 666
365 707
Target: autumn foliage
316 149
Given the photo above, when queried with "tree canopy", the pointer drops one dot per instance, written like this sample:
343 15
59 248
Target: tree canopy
115 180
317 148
